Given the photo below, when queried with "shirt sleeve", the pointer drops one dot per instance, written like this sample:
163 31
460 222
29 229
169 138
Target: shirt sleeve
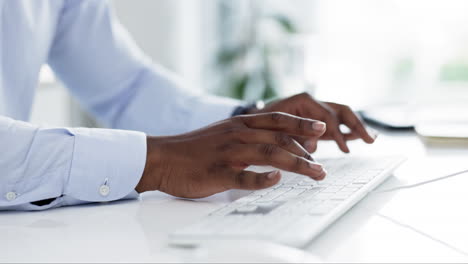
71 166
103 67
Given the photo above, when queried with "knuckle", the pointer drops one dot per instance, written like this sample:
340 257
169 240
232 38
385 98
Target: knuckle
241 120
299 163
277 117
328 111
259 181
225 147
304 96
243 134
268 150
301 123
232 131
239 179
347 108
336 133
216 168
283 140
353 125
307 156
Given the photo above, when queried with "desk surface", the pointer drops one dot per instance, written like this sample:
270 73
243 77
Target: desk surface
424 224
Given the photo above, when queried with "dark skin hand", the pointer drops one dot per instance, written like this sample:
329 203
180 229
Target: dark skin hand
334 115
213 159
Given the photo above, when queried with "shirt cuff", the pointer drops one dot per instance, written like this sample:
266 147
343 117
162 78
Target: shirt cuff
106 165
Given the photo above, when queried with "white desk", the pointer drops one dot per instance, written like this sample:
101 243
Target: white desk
425 224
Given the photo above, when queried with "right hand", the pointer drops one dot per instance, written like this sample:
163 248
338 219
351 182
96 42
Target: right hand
213 159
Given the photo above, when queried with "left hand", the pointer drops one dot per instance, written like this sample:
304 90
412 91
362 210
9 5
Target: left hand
334 115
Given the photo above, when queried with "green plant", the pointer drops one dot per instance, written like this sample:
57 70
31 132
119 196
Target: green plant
248 65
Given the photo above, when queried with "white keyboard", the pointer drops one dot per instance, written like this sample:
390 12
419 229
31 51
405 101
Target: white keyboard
297 209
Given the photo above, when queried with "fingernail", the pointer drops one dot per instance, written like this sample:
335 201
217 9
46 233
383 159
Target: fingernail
322 176
373 133
315 166
319 126
272 175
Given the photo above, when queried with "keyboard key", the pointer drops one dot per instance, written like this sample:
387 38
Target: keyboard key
320 210
358 183
262 192
349 189
287 185
341 196
249 198
307 183
314 190
284 198
327 180
296 192
264 204
298 179
267 198
274 194
331 190
223 211
282 190
323 196
247 209
331 203
343 182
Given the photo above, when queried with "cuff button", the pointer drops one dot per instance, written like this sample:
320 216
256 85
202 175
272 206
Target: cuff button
11 196
104 190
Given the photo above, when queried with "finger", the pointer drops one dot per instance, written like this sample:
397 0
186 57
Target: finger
283 140
286 123
335 132
351 136
248 180
310 144
273 155
353 122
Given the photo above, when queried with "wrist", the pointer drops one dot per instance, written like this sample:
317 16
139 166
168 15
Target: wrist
150 180
249 109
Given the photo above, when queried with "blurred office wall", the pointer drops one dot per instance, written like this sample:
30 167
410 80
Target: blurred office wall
173 33
405 51
170 32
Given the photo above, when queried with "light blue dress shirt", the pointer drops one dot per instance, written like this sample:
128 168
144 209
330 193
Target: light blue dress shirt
98 61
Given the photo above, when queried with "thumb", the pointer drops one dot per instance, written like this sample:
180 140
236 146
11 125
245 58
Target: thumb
249 180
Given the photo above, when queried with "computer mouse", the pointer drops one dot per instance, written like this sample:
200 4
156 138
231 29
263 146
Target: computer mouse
250 251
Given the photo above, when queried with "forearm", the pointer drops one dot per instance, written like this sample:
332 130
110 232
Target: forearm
117 83
162 105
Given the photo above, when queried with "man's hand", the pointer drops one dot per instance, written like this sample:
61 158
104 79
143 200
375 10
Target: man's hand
214 159
333 115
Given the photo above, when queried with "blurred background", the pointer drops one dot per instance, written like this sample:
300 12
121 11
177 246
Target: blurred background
359 52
